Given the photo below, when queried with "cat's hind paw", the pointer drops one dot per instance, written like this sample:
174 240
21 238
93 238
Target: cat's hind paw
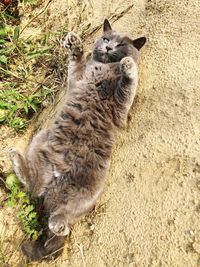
128 67
14 155
33 250
18 164
58 226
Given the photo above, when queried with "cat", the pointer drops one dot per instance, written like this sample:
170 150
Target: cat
66 164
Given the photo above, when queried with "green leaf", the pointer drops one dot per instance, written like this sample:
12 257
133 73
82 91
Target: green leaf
32 215
3 114
11 202
26 201
16 33
25 108
12 181
2 41
28 209
5 30
34 107
35 235
3 59
31 2
40 52
17 123
21 194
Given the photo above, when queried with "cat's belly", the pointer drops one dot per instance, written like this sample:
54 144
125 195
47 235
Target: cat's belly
85 159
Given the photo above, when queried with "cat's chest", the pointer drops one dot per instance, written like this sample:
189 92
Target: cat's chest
97 72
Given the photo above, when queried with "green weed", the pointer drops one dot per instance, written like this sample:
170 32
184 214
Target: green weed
3 258
24 65
19 58
26 212
31 2
16 108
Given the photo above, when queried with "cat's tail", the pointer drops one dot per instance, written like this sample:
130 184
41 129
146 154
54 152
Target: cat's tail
49 249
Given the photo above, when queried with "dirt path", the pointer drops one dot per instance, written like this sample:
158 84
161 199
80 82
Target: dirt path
150 210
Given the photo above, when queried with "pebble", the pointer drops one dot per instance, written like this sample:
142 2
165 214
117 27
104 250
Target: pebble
92 227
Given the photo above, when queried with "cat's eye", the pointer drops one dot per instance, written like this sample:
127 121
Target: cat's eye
121 44
106 40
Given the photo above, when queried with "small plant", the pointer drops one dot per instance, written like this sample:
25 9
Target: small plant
16 108
26 213
24 64
31 2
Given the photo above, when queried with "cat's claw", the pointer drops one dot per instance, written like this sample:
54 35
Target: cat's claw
128 67
73 42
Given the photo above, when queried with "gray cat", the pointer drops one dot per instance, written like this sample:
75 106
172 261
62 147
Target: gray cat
66 164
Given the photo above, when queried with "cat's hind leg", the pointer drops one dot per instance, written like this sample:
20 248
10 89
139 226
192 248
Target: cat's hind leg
19 165
49 248
78 204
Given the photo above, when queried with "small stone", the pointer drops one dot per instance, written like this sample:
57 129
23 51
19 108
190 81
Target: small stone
92 227
45 104
191 232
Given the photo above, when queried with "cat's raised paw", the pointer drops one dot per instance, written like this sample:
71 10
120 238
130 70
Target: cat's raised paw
128 67
73 42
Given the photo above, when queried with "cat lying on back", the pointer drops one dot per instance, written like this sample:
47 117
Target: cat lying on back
66 164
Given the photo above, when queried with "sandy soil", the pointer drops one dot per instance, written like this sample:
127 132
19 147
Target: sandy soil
149 212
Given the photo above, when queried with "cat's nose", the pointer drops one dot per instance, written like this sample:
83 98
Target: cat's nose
108 48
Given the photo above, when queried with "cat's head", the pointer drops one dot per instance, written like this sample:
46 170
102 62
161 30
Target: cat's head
113 46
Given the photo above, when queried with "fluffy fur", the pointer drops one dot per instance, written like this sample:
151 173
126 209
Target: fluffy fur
66 164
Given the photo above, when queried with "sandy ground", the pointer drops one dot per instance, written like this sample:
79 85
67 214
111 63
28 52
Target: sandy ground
149 212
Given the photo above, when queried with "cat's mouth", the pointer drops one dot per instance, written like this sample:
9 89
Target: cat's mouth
105 57
101 56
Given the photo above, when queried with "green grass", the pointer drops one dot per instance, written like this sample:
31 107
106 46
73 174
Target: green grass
16 108
3 257
27 65
25 210
31 2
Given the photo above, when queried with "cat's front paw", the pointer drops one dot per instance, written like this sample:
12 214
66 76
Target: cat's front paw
128 67
73 43
58 226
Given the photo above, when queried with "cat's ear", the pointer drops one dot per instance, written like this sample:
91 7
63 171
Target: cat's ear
106 26
139 42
